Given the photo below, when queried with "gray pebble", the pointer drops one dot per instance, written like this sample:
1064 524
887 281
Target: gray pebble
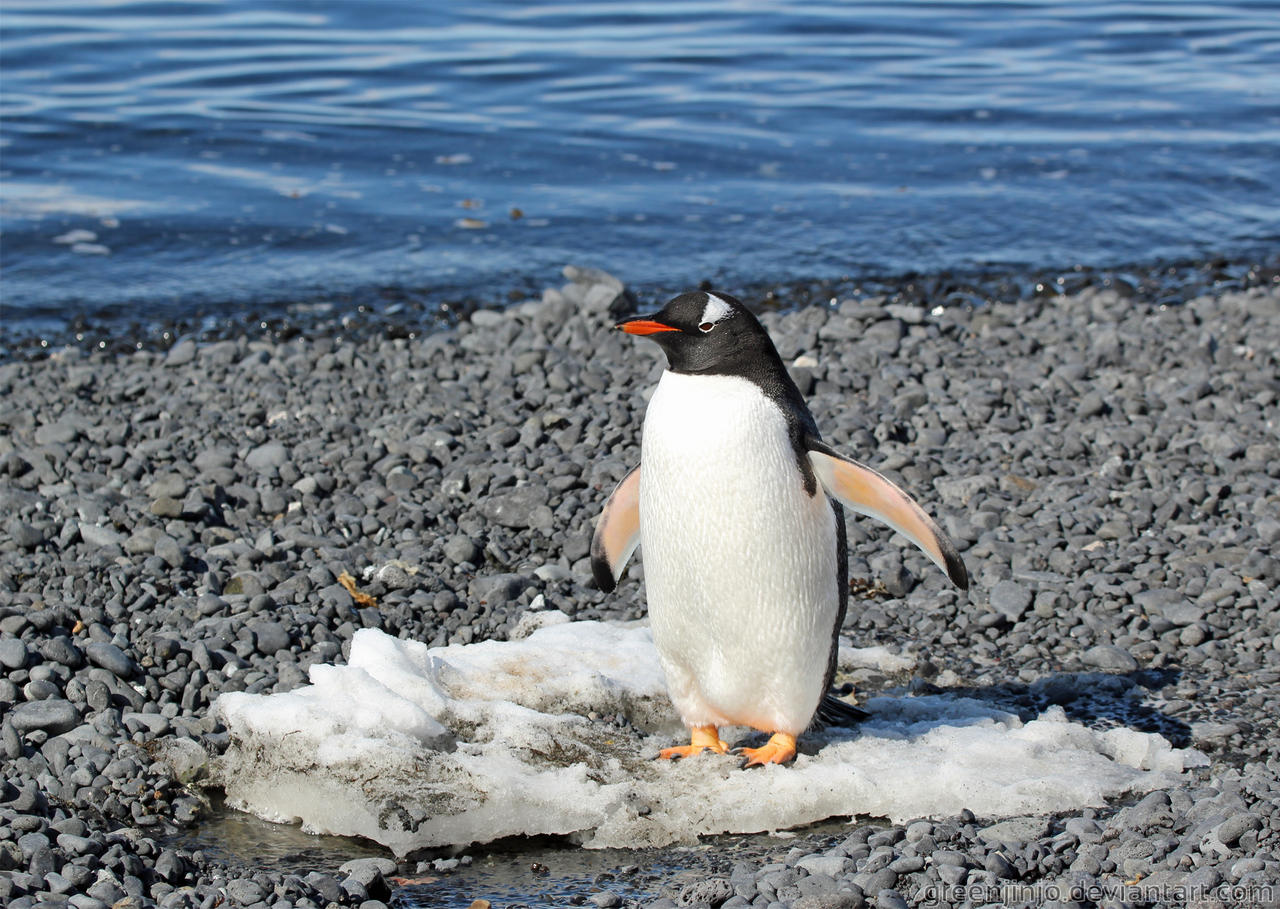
844 899
166 507
173 485
54 716
245 892
265 456
270 637
26 535
1010 599
13 653
56 434
1109 657
325 885
61 650
523 507
711 892
1235 826
111 658
181 354
459 549
832 865
1000 866
98 535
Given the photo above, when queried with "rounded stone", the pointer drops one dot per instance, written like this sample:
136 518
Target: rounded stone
54 715
13 653
267 455
1109 657
111 658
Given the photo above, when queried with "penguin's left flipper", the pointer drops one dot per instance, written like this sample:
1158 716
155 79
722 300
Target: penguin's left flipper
861 489
617 532
834 712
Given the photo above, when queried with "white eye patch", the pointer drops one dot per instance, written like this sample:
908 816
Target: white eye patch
715 310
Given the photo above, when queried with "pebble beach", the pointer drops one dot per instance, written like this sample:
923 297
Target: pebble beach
222 515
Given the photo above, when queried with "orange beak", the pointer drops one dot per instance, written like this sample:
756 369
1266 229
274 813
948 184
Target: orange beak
644 327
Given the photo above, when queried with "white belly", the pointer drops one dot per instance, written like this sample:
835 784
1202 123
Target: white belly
739 560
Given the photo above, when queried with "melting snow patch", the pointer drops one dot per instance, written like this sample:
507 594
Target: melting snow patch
556 734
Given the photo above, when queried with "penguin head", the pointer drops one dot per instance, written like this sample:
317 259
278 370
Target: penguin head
705 332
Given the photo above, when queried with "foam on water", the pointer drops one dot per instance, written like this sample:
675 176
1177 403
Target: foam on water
415 747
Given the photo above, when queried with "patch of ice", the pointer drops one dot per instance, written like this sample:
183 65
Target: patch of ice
416 747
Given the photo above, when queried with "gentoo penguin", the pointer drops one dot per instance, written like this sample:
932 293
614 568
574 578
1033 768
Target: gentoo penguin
734 503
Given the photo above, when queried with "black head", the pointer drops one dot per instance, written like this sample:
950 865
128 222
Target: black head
703 332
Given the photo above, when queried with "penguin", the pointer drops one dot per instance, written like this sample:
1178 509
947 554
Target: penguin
737 506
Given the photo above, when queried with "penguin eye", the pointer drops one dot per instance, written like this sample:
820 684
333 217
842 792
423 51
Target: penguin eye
706 327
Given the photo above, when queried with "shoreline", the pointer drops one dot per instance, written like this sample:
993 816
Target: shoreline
177 522
411 312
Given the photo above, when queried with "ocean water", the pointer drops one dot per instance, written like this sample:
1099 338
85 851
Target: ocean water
163 157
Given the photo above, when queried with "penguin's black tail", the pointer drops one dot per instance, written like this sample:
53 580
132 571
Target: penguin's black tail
834 712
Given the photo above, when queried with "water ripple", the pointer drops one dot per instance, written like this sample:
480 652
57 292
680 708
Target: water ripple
905 135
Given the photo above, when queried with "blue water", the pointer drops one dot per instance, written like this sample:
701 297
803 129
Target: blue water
156 156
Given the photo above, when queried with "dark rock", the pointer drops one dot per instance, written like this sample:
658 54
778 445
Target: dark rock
245 892
459 549
61 650
55 716
1001 867
1230 831
270 637
111 658
325 885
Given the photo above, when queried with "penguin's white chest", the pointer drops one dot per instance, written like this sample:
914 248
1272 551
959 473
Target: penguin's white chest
740 559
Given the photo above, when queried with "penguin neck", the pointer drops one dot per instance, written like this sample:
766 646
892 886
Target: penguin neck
761 365
754 359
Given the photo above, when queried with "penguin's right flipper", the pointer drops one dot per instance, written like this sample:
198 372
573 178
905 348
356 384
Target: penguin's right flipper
834 712
617 532
858 487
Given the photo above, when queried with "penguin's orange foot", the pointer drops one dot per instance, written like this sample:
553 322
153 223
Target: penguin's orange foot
780 749
701 739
